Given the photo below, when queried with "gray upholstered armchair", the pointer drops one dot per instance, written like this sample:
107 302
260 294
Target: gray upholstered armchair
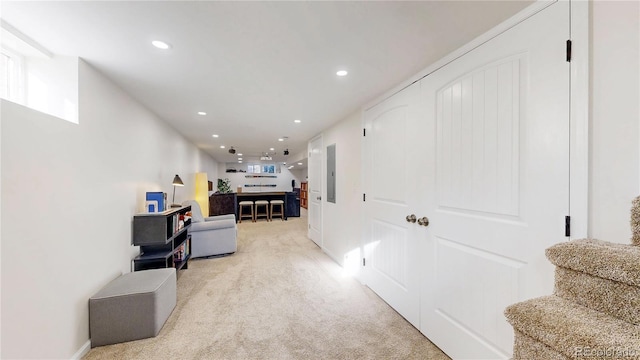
214 235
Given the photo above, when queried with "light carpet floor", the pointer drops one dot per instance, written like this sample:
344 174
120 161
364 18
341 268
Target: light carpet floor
278 297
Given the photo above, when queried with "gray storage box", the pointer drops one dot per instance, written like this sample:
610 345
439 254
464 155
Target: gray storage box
133 306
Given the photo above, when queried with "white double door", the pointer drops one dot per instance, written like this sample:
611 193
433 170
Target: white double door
480 147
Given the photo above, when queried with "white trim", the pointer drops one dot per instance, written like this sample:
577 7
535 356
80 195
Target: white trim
495 31
82 351
361 276
579 121
33 46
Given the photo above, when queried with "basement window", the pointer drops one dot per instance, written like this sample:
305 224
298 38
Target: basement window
11 78
32 76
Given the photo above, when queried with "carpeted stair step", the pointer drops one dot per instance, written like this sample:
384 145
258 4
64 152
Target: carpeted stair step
527 348
614 298
616 262
571 329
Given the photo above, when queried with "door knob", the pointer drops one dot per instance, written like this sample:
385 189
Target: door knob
411 218
423 221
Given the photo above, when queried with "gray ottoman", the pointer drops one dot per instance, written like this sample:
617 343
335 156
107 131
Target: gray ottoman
133 306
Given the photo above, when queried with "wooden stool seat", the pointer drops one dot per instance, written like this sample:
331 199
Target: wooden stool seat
280 204
258 204
242 205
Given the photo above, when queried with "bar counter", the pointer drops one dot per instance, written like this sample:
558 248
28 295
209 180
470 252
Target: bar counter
264 195
221 204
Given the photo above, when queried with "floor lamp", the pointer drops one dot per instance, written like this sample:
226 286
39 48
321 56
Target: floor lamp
176 182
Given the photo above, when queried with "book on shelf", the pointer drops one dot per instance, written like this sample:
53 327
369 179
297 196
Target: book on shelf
181 220
180 254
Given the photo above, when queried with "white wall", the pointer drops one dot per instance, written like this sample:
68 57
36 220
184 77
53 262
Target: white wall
615 118
52 86
301 174
68 195
282 180
342 220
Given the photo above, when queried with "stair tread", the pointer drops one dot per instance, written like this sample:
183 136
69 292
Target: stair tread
567 327
615 298
617 262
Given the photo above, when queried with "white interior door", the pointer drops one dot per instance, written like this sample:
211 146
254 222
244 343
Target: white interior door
497 183
315 191
391 243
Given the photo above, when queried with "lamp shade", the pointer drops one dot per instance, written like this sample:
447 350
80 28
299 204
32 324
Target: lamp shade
177 181
202 193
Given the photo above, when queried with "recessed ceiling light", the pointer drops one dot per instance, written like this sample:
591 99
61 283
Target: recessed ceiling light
342 73
215 135
299 163
297 121
239 158
202 113
160 44
240 161
272 149
221 146
281 139
239 154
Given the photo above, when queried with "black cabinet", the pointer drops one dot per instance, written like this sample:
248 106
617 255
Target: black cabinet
293 204
223 204
163 239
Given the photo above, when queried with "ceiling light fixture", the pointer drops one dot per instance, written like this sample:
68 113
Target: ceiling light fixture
297 121
342 73
221 146
272 149
239 158
160 44
299 163
202 113
215 135
239 154
281 139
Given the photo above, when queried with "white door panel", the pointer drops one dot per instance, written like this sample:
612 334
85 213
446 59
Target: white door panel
390 184
497 183
315 191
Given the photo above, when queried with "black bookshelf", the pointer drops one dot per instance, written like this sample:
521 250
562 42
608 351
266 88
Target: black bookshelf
163 239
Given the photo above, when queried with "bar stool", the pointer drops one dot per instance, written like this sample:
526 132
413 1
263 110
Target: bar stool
279 203
260 203
242 204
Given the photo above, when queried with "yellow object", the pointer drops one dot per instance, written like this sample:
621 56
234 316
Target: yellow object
202 193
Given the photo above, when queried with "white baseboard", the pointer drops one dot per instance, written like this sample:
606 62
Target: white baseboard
82 351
